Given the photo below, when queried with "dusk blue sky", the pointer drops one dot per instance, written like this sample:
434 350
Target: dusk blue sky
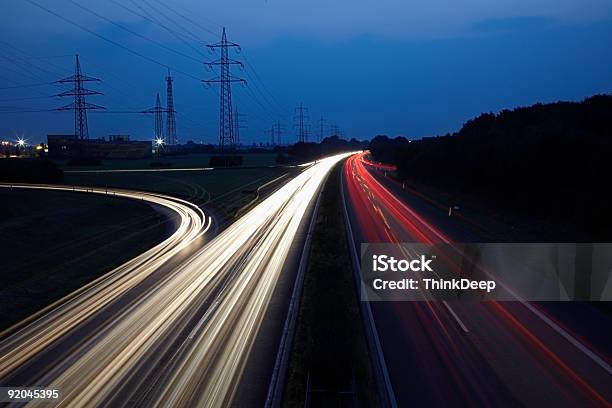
394 67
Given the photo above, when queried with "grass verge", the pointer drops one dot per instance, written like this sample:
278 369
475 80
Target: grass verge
52 243
330 356
193 160
225 190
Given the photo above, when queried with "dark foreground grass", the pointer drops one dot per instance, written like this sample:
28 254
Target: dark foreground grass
329 354
52 243
193 160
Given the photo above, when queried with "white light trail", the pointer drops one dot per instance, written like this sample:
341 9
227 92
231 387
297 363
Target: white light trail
236 273
73 309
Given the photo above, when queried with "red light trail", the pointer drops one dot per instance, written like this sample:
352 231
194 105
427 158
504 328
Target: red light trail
460 355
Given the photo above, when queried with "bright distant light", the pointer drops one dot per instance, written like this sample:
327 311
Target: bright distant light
21 142
159 142
219 346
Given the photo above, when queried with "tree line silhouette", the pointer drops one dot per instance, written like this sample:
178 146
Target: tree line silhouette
551 161
306 151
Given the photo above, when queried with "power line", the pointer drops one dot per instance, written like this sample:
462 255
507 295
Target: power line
26 111
17 64
254 78
275 133
26 85
335 130
22 58
258 78
122 27
225 79
157 111
322 126
138 54
186 18
250 92
239 123
150 18
301 117
25 56
159 63
79 106
139 90
123 95
279 132
26 98
157 22
170 117
171 31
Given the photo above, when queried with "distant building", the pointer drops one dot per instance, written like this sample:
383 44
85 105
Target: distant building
116 147
6 148
118 138
12 149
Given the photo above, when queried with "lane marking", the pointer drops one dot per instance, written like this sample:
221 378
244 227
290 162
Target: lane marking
598 360
365 305
452 312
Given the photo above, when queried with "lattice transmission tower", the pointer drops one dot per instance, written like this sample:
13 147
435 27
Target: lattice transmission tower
279 132
301 119
170 113
275 133
322 128
225 79
157 112
79 105
240 122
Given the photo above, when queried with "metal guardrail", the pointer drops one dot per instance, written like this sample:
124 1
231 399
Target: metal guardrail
382 375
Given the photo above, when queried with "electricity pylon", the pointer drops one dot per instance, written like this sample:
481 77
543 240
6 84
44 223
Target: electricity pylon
79 106
170 113
157 112
322 126
301 118
225 79
239 123
275 133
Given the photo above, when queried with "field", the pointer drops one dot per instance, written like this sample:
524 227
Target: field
330 355
52 243
225 190
196 160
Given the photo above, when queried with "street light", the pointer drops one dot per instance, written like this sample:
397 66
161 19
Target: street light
20 146
159 146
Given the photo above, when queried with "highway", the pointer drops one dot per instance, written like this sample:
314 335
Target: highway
192 224
67 313
167 333
467 353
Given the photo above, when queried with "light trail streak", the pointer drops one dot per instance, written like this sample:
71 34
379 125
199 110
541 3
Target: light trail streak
218 296
65 314
459 359
363 185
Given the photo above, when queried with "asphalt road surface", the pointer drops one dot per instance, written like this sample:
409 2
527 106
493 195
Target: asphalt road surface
157 332
468 353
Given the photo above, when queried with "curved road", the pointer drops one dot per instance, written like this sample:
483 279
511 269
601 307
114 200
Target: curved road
180 337
68 312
